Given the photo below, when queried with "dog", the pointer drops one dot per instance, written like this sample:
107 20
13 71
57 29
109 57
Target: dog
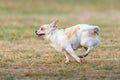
70 39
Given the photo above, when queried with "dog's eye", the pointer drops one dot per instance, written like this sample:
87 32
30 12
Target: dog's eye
42 29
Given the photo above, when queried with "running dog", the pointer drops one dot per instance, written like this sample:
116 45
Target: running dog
70 39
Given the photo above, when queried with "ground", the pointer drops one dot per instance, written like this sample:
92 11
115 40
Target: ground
24 56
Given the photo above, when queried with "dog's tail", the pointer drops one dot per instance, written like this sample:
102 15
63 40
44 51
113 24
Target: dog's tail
93 30
96 30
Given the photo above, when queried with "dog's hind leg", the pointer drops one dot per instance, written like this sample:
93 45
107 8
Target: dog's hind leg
88 50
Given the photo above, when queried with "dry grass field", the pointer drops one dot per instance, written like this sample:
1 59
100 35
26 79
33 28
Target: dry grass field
24 56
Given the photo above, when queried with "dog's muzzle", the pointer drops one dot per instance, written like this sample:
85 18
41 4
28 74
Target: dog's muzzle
39 35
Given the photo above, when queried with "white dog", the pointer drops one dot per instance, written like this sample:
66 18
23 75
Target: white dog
69 39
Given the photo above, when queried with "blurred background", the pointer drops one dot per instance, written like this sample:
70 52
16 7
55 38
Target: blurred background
25 56
31 13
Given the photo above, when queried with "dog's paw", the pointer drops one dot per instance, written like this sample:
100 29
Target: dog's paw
80 56
81 61
67 61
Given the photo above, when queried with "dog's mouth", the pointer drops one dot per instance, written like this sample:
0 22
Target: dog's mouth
40 35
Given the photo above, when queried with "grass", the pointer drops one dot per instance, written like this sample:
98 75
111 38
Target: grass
23 56
9 78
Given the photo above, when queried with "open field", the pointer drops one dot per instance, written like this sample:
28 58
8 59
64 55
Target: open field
23 56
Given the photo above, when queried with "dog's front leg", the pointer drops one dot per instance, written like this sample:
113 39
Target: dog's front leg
72 53
67 55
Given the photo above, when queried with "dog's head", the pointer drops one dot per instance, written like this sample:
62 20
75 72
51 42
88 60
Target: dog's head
46 29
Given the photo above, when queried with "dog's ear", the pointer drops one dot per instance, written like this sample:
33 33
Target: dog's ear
54 24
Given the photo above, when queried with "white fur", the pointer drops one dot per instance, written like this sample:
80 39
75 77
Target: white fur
81 38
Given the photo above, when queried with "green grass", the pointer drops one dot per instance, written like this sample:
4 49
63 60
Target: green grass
24 56
54 6
9 77
16 32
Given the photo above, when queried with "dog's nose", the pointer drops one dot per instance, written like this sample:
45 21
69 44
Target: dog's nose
35 31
